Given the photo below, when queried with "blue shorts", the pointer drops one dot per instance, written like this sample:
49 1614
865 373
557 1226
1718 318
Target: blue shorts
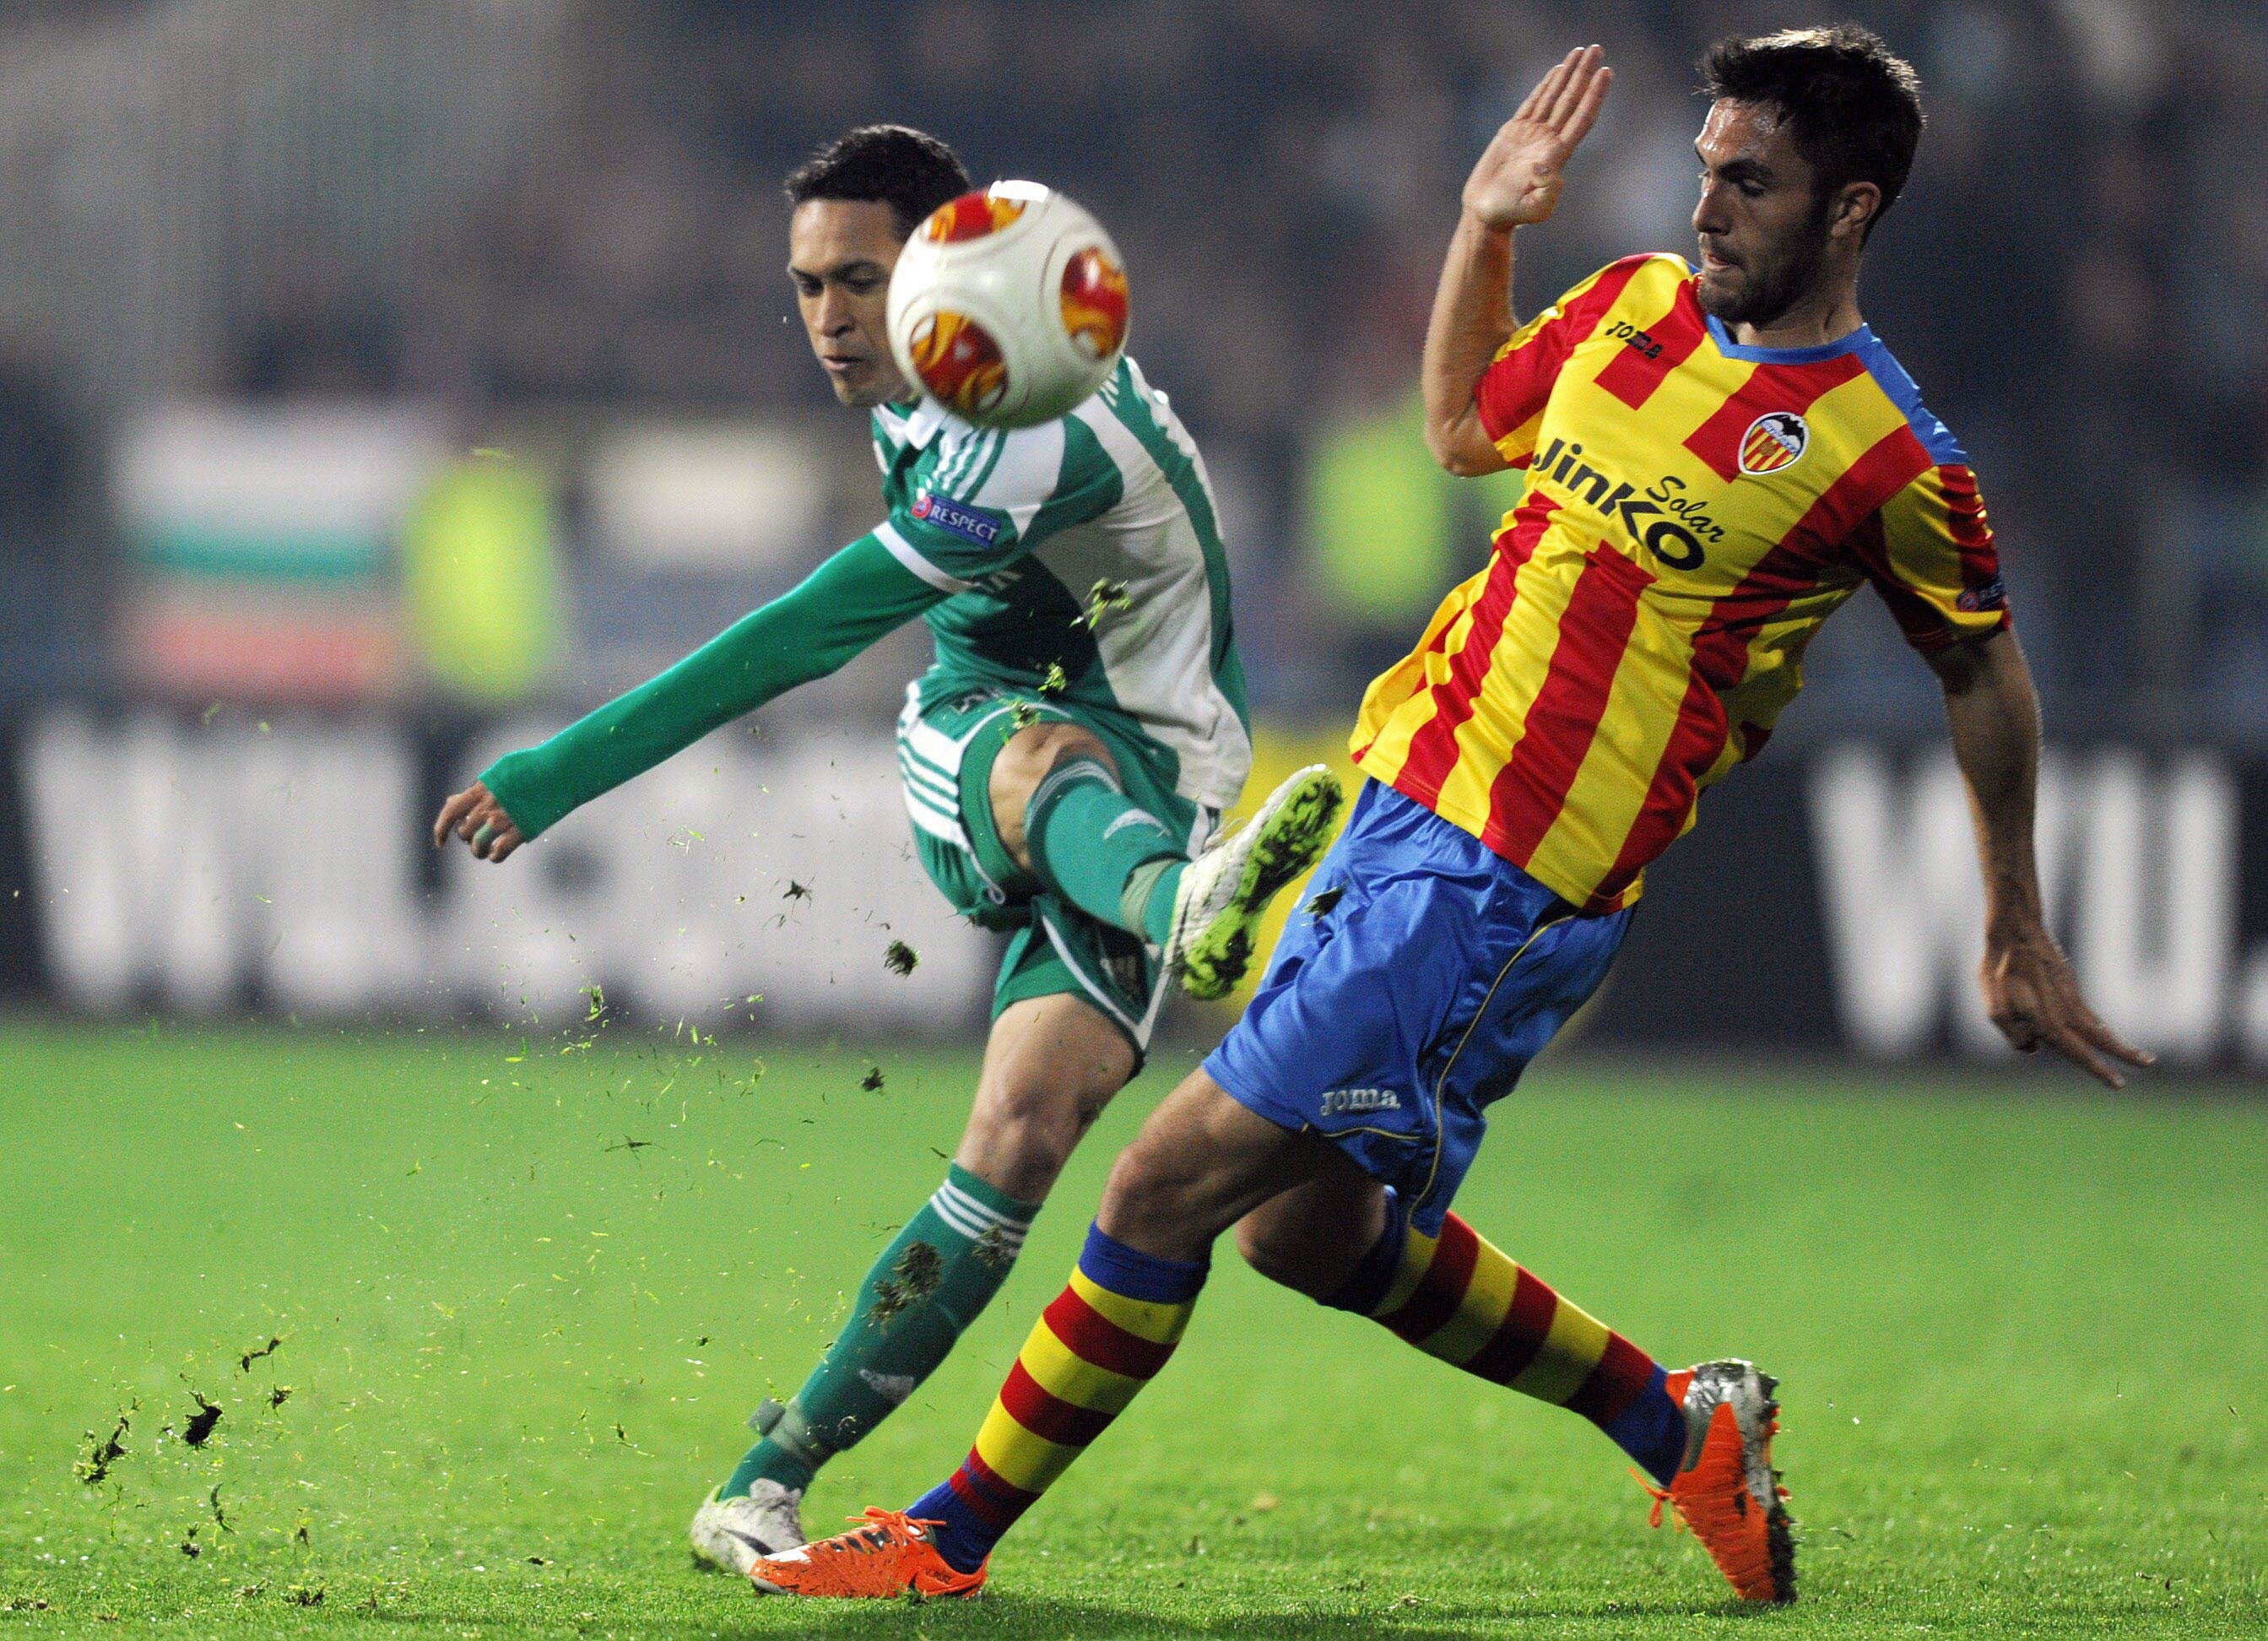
1391 1020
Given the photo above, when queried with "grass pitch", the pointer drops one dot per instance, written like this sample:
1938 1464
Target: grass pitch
525 1296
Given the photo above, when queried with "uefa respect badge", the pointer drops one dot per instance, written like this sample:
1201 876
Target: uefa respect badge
977 526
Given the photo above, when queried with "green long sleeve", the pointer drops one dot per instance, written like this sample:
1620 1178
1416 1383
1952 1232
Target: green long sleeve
846 605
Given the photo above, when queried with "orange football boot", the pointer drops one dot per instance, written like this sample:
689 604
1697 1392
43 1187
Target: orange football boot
1726 1490
886 1553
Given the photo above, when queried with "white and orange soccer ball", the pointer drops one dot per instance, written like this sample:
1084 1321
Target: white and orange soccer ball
1009 307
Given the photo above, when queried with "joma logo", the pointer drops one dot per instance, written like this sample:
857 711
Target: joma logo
1632 336
1341 1101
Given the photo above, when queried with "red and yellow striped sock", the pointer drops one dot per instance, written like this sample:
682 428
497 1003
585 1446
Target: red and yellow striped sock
1093 1350
1459 1298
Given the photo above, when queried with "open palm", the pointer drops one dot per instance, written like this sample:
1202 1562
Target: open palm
1518 178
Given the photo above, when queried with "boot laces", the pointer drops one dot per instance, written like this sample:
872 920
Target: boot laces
876 1529
1661 1497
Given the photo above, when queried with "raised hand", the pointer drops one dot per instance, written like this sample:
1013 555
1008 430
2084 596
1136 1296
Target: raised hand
1518 177
2033 998
474 815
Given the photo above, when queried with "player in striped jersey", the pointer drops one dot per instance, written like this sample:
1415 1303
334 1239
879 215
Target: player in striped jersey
1715 463
1065 763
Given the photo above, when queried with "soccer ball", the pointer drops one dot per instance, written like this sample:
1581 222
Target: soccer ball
1009 307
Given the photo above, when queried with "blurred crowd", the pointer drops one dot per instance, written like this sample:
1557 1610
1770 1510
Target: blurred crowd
2075 275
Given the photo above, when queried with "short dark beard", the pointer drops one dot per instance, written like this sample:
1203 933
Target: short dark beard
1768 294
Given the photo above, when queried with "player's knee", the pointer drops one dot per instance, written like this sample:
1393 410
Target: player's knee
1163 1201
1030 755
1033 752
1027 1130
1314 1237
1289 1255
1267 1251
1151 1182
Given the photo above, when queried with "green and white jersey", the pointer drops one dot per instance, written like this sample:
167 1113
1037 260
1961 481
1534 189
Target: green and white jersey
1089 545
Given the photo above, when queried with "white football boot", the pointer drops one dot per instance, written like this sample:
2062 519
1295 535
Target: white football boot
736 1534
1224 891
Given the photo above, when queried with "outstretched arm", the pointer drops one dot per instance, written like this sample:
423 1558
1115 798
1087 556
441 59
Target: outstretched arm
2030 989
1516 182
846 605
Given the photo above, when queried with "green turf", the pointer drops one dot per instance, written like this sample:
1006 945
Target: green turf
2021 1330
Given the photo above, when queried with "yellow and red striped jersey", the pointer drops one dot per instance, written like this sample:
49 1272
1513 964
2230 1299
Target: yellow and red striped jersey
1694 510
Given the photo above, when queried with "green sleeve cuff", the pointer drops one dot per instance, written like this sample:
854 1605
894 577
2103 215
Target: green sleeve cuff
844 606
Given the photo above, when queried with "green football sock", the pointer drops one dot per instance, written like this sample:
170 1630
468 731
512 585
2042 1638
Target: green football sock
929 1284
1087 841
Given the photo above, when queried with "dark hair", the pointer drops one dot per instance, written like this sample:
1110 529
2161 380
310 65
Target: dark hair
1853 105
910 171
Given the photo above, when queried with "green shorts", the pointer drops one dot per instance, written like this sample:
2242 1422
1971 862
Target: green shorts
944 756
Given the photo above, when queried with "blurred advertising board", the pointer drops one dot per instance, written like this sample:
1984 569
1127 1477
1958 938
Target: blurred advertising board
1831 898
218 862
225 865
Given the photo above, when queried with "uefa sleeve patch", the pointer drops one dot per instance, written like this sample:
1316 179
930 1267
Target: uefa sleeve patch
1991 596
979 526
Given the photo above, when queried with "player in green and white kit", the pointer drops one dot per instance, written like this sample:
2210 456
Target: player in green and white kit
1065 762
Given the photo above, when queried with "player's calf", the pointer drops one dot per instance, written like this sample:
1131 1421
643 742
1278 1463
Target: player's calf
936 1275
1459 1298
1201 1163
1063 815
1052 1064
1702 1435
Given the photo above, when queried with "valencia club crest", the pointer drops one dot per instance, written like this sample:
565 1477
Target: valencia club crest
1773 441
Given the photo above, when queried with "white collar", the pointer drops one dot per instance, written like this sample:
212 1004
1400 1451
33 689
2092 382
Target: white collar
919 425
